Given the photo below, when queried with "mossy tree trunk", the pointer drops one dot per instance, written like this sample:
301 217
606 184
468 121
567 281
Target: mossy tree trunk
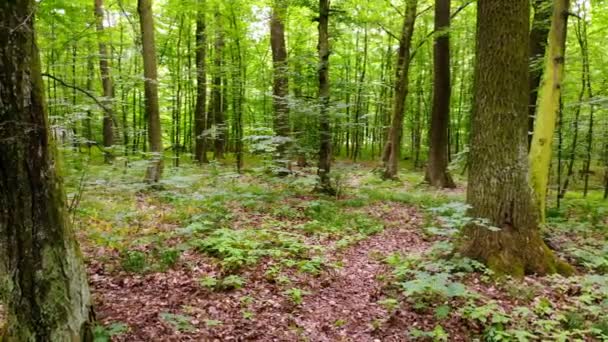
146 19
280 88
200 120
324 166
541 149
498 190
42 277
437 173
392 149
539 34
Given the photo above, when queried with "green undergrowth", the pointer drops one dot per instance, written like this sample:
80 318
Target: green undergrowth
447 287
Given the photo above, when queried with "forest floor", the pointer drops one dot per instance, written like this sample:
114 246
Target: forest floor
216 256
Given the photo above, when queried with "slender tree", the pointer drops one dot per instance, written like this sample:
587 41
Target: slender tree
437 173
106 81
200 120
217 94
506 236
280 88
541 150
42 277
538 45
325 152
392 149
146 19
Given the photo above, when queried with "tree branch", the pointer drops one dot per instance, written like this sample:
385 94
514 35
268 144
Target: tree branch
107 110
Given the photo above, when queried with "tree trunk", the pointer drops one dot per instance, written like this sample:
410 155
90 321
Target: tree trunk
42 277
280 89
541 150
200 121
437 170
155 168
106 81
582 38
538 44
325 152
508 240
216 92
392 150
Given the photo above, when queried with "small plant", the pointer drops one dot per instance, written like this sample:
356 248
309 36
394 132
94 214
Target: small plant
105 334
437 335
296 295
169 257
134 261
230 282
209 282
210 323
181 323
389 304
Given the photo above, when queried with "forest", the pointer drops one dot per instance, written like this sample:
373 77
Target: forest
303 170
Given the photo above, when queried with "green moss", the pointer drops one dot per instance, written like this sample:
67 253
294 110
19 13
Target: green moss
502 265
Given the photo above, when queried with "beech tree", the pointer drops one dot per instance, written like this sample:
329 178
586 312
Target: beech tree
42 277
549 105
437 173
324 166
507 238
146 19
200 120
392 149
106 80
280 88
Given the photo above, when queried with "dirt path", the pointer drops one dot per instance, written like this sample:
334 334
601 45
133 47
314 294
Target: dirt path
347 308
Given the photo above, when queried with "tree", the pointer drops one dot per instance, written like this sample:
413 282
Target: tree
505 235
42 277
217 96
392 150
549 106
146 20
106 81
437 170
324 166
538 45
200 121
280 88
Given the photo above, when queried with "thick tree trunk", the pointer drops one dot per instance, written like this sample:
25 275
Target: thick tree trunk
42 277
280 89
437 170
541 150
155 169
538 44
325 152
200 121
509 240
106 81
392 150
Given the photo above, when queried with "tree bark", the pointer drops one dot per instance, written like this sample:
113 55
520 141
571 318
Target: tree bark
324 167
106 81
505 234
280 89
392 150
146 19
217 93
200 120
437 173
538 44
42 277
541 150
